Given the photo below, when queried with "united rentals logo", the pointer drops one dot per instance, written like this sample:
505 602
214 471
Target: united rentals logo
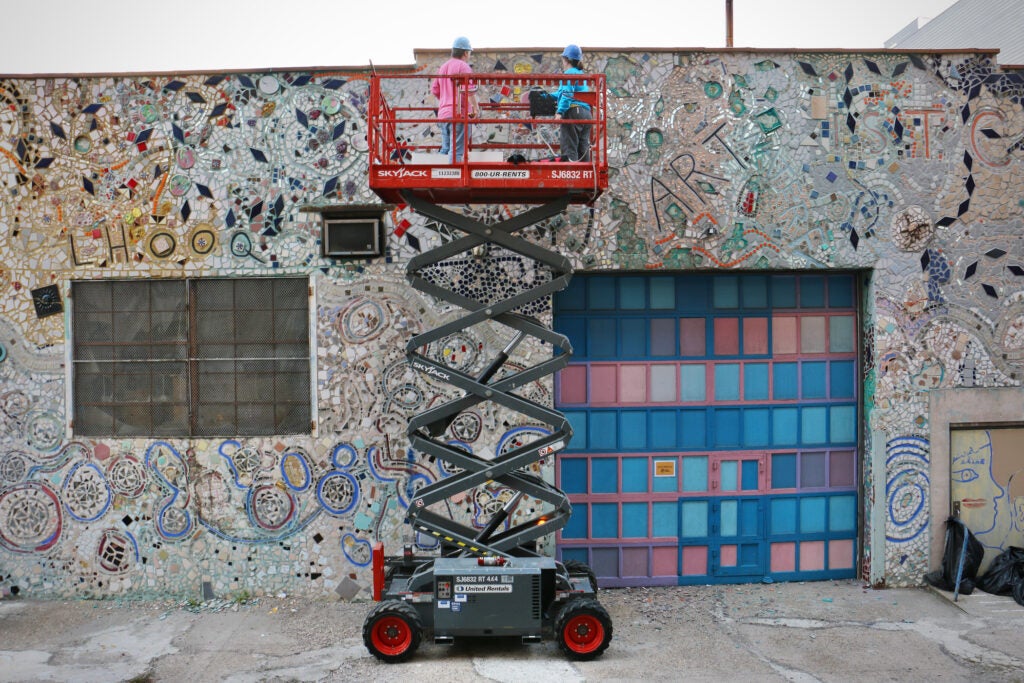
431 370
402 173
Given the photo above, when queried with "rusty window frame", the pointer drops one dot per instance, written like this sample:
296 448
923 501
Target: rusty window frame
195 357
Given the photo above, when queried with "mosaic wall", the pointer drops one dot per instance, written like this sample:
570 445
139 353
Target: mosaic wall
905 166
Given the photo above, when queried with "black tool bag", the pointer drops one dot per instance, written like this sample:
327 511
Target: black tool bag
542 104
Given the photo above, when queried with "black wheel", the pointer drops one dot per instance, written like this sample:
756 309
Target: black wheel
392 631
583 629
577 567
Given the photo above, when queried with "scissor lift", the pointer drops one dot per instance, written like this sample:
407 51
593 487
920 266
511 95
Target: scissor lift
489 581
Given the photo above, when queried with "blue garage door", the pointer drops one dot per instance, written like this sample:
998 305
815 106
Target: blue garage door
715 427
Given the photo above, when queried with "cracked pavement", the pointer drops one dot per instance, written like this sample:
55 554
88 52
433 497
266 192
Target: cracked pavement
803 632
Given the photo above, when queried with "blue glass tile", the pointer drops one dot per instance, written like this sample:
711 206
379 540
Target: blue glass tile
604 475
694 426
727 427
840 291
842 374
632 293
727 382
842 513
750 517
573 297
600 293
695 473
784 381
603 432
693 519
577 526
812 291
784 291
842 424
785 422
663 293
634 475
755 291
749 479
663 429
814 425
605 522
726 293
812 515
664 519
693 386
578 421
692 293
634 520
576 330
728 475
574 475
783 470
755 382
756 427
813 379
782 516
633 430
727 518
602 338
633 333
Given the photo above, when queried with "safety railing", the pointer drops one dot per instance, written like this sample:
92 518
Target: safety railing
511 151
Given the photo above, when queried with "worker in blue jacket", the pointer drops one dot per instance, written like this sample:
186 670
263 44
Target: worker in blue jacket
574 138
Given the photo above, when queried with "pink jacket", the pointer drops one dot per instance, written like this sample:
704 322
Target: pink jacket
443 88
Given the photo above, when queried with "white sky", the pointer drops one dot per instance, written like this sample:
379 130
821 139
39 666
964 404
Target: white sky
114 36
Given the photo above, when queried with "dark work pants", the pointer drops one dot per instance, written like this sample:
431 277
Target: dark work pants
574 138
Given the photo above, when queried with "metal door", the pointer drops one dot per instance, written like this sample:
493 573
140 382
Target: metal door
987 487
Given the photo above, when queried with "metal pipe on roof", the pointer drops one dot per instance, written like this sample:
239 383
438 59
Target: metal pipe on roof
728 23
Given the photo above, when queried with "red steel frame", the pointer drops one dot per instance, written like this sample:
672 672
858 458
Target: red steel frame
403 159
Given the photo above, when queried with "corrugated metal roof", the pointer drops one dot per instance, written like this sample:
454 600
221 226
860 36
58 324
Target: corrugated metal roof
982 24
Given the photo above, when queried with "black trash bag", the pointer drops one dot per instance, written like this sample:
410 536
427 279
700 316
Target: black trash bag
1005 572
1018 592
972 553
542 104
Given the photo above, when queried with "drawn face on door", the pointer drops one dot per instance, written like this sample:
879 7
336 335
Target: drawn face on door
972 478
1015 489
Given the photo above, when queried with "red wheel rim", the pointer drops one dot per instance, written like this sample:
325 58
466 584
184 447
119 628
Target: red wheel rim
391 635
584 633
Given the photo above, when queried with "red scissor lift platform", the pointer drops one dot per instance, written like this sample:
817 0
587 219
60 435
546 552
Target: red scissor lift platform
511 156
493 580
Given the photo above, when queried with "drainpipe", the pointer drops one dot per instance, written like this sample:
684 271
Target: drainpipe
728 23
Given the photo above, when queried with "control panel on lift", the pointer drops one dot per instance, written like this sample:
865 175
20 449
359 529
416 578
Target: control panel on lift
489 600
511 152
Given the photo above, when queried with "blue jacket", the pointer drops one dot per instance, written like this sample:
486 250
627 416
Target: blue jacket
566 90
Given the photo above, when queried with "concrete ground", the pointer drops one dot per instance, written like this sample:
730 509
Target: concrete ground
804 632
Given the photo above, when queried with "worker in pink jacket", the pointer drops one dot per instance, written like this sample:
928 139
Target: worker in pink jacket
456 98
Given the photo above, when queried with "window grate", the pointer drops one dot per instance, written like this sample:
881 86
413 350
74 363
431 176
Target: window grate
195 357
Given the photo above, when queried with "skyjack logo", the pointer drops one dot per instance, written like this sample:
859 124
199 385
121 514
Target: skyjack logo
432 371
402 173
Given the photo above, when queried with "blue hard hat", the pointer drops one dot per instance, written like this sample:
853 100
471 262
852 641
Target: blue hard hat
572 52
462 43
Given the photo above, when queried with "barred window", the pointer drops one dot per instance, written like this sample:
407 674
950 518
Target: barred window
196 357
